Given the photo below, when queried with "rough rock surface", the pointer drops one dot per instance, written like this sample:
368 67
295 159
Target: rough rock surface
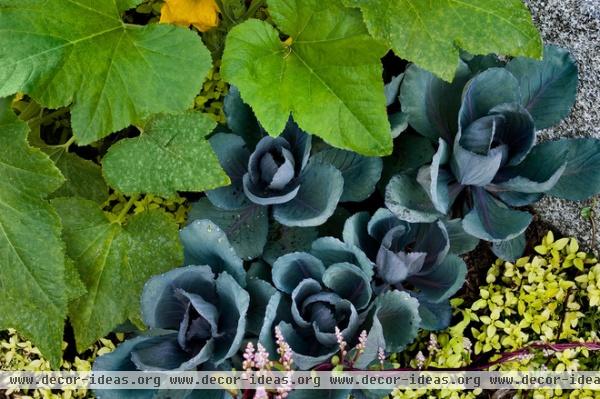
574 24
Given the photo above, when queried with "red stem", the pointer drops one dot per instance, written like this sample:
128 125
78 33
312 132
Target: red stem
475 366
481 364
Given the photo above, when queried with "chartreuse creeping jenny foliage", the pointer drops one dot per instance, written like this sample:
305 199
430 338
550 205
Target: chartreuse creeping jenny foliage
487 160
111 93
19 354
210 100
548 297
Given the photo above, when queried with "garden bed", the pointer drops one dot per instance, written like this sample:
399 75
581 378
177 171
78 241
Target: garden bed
272 174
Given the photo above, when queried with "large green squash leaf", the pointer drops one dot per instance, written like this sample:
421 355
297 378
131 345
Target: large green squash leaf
170 155
83 177
75 287
327 74
33 296
80 52
430 33
114 262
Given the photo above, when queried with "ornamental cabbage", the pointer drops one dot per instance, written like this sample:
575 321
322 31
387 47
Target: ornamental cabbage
487 160
410 257
196 321
329 287
196 314
302 185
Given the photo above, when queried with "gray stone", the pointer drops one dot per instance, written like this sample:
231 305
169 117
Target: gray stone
575 25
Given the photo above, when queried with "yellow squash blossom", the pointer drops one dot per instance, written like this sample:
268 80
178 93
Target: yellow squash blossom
202 14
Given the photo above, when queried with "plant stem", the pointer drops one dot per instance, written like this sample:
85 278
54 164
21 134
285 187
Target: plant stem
38 121
256 4
565 311
31 110
126 209
593 223
225 11
68 143
485 365
355 358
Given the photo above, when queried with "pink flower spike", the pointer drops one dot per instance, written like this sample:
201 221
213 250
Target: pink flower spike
420 360
381 356
261 358
284 350
362 342
261 393
248 363
433 345
341 342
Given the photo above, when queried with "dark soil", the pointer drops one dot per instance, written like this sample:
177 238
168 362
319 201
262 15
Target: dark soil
479 260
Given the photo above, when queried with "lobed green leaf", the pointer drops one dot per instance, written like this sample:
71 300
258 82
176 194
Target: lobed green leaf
114 262
80 52
323 75
431 33
33 281
170 155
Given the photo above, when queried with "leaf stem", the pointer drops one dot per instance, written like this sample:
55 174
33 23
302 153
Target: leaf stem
68 143
564 314
125 209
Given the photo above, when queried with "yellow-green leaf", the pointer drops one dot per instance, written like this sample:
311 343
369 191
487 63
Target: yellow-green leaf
113 261
326 74
81 53
431 33
170 155
33 290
